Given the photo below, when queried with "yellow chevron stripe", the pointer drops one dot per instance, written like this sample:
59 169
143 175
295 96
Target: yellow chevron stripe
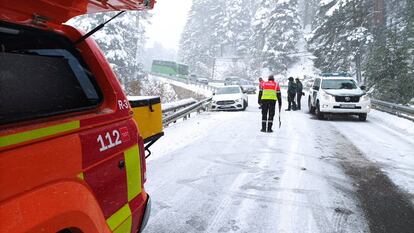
38 133
133 170
125 227
119 217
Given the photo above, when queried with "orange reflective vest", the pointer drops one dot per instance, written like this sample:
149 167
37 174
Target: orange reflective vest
270 90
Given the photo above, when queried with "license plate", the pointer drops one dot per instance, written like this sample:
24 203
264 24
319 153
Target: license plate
347 105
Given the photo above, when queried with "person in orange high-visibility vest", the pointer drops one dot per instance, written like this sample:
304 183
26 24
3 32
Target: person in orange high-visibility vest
271 94
259 100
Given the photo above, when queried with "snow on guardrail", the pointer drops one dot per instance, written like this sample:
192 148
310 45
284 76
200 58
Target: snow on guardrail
173 106
395 109
185 111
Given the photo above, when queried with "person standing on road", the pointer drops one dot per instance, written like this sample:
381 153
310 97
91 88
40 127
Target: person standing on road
291 94
299 92
259 99
271 94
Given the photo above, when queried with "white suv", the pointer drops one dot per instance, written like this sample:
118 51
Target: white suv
338 94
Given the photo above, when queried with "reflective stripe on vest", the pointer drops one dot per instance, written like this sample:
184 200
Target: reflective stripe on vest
269 95
269 91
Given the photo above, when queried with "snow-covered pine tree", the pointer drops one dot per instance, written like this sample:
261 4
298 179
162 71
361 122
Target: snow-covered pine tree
234 28
122 40
276 31
341 35
199 44
410 41
214 26
309 11
388 66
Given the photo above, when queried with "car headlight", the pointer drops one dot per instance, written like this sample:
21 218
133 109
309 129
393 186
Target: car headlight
364 98
327 97
239 100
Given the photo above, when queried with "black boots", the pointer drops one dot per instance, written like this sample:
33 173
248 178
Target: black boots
263 127
269 127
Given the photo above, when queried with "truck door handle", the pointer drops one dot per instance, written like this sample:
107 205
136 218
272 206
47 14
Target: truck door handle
121 164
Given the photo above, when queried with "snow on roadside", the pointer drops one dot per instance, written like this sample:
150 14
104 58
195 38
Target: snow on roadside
170 105
195 88
392 122
183 133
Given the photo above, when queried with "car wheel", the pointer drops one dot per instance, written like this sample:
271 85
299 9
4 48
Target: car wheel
319 115
311 108
362 117
244 105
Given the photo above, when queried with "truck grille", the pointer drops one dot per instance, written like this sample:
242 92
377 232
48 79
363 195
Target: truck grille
347 99
225 102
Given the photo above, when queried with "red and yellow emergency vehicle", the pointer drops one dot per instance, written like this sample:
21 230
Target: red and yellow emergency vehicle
72 158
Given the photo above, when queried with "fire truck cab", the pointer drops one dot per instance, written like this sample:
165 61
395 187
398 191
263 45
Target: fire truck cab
72 149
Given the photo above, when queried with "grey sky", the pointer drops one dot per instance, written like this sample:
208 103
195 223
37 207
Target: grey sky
168 22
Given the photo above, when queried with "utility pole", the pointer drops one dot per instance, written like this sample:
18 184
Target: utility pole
214 67
137 49
410 50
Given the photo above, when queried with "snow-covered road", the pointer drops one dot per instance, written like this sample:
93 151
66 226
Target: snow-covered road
217 173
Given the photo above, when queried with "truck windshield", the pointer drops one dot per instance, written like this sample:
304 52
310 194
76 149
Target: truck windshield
339 84
228 90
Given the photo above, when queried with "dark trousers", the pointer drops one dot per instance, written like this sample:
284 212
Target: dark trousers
291 101
298 98
268 112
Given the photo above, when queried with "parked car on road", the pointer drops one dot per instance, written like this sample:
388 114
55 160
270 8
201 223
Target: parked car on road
230 98
202 81
233 80
338 93
248 87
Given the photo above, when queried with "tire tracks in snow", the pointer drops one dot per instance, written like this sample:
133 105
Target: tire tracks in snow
386 207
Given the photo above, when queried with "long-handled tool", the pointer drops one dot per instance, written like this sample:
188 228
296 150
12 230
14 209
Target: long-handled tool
280 122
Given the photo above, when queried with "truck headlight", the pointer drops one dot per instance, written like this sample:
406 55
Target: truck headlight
327 97
364 98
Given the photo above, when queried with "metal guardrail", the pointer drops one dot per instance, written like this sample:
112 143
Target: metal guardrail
174 106
184 112
395 109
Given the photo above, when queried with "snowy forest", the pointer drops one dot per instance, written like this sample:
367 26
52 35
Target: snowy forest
123 42
371 39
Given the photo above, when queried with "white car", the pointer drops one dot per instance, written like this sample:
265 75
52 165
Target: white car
202 81
338 95
229 98
248 87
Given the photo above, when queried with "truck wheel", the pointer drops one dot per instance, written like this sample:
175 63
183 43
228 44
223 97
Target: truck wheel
362 117
319 115
311 109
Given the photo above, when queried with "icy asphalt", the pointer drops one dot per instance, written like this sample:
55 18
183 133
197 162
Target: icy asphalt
217 173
